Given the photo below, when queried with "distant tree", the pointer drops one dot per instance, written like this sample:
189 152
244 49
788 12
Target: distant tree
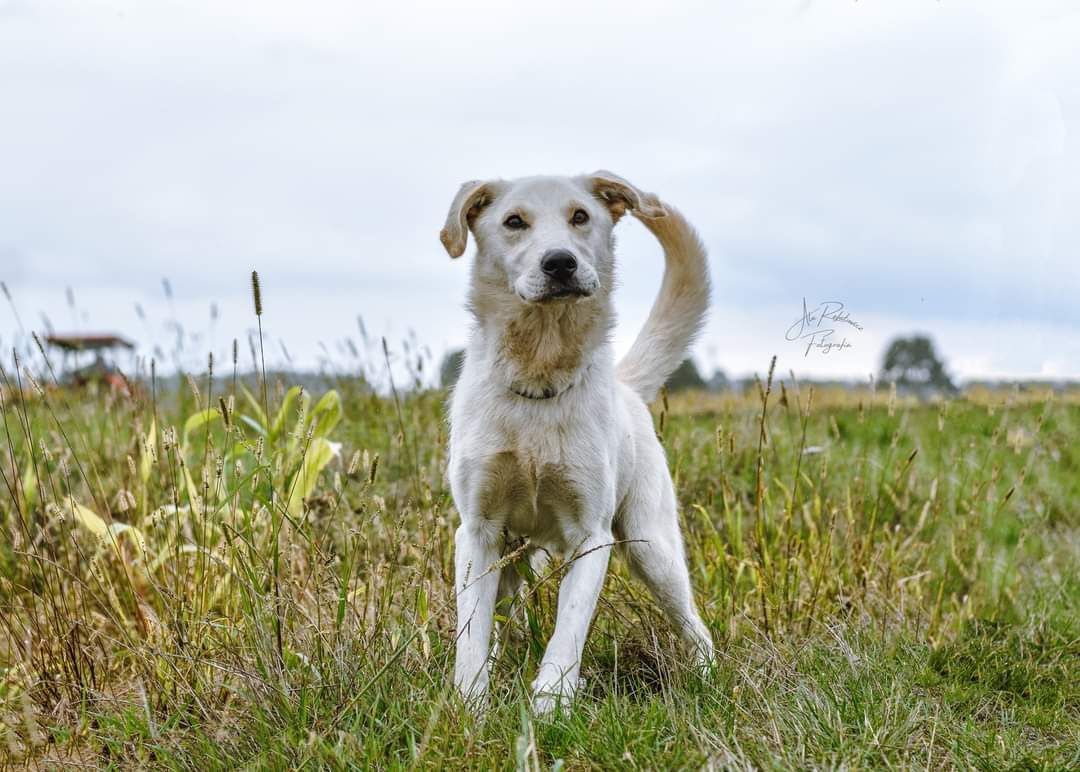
718 381
450 369
913 362
686 376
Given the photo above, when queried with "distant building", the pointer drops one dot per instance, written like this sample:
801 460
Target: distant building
96 343
103 368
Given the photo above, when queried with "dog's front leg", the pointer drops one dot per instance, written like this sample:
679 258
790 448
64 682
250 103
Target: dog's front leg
476 550
556 680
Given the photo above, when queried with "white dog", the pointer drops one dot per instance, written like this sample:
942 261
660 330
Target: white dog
549 440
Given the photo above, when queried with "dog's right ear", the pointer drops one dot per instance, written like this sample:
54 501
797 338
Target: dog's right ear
470 199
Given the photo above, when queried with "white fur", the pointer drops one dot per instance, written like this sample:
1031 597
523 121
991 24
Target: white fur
581 470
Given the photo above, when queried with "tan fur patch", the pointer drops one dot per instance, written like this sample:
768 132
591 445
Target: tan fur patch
544 344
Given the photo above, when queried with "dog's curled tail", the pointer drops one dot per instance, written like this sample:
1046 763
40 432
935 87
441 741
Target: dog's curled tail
678 314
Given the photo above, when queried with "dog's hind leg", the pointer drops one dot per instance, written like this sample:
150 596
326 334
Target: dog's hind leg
654 549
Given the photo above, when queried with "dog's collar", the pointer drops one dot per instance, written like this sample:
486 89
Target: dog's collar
550 392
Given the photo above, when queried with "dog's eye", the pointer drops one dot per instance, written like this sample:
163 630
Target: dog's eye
515 223
580 217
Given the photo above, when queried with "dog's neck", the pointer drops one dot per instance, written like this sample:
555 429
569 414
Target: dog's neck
539 351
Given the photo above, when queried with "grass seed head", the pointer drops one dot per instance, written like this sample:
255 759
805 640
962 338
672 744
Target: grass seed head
194 389
33 382
256 293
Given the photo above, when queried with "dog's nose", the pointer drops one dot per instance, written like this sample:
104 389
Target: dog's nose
558 264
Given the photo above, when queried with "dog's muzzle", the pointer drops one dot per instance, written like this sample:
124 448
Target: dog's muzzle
560 268
559 265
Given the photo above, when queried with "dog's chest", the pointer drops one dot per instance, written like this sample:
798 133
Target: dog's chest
539 470
527 494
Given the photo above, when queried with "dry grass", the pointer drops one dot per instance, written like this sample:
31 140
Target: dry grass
206 579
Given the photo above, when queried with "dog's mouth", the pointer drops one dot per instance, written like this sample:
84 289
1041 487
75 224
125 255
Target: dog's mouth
554 292
564 293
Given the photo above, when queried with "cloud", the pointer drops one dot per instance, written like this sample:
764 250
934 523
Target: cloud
911 160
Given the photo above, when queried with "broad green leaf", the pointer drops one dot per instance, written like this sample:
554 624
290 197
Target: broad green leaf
251 422
297 660
198 420
319 453
117 529
256 408
146 451
326 414
29 486
284 411
194 497
108 534
88 519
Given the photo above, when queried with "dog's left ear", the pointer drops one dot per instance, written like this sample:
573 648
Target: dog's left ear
618 196
470 199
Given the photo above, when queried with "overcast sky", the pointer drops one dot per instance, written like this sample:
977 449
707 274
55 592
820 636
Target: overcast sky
917 161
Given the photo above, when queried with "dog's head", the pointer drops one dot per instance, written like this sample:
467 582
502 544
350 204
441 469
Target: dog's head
547 238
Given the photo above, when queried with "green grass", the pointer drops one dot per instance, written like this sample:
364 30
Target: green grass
888 584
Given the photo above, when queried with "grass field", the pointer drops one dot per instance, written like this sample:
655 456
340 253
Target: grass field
213 578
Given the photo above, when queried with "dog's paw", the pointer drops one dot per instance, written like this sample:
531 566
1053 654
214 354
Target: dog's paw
551 701
703 657
698 645
551 696
473 691
476 703
545 705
